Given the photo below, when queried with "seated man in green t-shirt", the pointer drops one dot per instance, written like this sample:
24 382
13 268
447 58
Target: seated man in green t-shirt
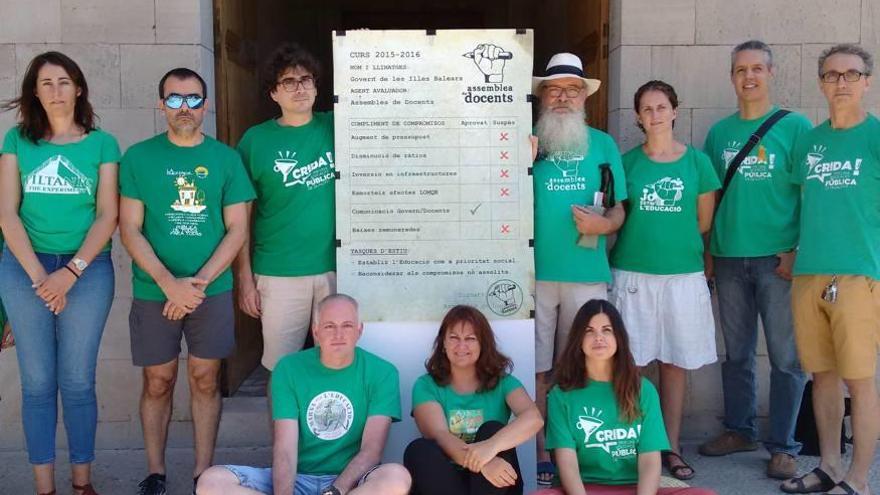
333 406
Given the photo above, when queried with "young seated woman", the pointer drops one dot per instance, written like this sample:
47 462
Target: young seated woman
462 407
604 422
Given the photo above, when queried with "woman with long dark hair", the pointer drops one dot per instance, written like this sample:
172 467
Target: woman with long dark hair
462 407
58 209
604 423
662 291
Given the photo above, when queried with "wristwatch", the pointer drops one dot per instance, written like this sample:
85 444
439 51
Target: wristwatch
331 490
79 263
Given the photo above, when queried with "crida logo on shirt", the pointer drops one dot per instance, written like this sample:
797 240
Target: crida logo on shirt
313 174
834 174
617 442
758 165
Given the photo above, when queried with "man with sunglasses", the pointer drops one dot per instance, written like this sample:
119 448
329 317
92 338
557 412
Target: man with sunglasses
835 297
289 264
183 218
571 263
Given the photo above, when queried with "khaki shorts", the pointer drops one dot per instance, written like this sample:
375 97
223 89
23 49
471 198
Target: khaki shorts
556 304
842 336
287 305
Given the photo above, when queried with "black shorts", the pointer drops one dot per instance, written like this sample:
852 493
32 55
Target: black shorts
209 331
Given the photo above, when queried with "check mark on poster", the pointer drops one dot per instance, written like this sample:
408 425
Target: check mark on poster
475 208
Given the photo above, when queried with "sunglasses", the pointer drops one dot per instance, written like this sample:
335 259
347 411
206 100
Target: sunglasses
193 101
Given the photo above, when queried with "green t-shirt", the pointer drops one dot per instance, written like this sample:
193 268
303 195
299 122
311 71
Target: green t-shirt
292 169
839 170
465 413
758 216
587 421
332 406
662 233
561 181
59 187
184 190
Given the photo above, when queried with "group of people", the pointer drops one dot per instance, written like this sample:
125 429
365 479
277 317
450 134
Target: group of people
793 242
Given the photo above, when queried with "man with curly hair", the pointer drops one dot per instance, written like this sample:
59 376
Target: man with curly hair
290 263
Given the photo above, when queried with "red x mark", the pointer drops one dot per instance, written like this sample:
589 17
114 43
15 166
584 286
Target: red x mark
505 174
505 191
504 155
505 229
503 137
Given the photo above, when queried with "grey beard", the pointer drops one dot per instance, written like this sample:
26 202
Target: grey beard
562 133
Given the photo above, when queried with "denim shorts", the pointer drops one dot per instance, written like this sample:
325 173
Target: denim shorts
260 479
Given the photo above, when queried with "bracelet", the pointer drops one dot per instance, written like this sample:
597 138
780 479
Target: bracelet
71 270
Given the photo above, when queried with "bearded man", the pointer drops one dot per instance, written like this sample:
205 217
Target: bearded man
579 186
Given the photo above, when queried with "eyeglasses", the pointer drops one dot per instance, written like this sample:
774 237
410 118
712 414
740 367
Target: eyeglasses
174 101
556 91
832 76
290 84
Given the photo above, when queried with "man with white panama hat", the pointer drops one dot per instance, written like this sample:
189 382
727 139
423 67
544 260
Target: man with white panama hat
579 184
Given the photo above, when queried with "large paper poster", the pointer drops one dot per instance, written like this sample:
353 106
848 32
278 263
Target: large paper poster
434 197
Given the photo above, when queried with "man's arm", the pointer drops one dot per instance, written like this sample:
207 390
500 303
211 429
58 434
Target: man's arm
248 298
284 455
235 217
372 445
590 223
184 292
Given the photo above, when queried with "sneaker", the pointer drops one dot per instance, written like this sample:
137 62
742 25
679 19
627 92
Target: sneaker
727 443
781 466
154 484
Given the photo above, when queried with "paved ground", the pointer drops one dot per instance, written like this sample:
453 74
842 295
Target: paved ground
117 472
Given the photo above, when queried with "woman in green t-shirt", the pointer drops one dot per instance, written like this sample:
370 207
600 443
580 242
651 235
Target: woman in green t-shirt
58 209
462 407
657 263
604 423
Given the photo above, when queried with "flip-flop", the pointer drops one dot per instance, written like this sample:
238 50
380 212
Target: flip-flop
675 471
546 467
825 483
847 488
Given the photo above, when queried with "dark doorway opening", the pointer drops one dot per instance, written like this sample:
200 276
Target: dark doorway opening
246 31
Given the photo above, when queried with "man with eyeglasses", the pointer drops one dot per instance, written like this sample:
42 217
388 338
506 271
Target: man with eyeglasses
752 246
289 264
835 297
182 218
577 173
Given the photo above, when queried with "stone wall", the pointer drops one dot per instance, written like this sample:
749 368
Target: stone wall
687 43
123 47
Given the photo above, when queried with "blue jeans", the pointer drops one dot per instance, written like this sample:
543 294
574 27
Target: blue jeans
260 480
58 353
748 288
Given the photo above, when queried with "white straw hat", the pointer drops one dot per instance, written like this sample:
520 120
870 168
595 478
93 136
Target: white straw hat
565 65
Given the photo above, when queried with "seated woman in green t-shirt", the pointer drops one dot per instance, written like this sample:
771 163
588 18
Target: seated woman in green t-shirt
604 422
462 407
